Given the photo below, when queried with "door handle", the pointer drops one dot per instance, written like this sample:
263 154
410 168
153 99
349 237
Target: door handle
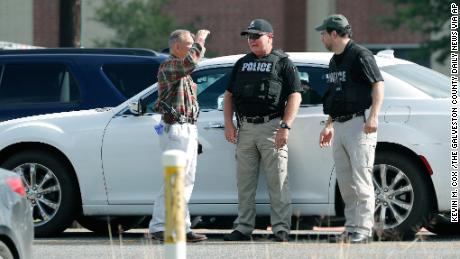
215 125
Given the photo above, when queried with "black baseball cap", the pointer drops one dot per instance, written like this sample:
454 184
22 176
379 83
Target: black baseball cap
334 21
258 26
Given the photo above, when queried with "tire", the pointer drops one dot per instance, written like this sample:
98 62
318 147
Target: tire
101 225
5 252
403 201
53 194
441 225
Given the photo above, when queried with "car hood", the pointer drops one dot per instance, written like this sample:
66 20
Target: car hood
82 114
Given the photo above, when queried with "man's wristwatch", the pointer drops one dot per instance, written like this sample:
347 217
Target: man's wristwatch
284 125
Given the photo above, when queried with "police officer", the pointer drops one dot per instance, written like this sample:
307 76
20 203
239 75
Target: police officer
264 91
355 84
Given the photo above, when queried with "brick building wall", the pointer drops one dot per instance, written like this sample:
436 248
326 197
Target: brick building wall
295 25
226 19
362 15
46 23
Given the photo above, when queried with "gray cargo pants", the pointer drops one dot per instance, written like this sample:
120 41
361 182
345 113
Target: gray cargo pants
354 153
256 148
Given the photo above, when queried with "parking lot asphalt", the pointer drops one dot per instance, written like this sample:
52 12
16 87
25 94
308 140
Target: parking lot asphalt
79 243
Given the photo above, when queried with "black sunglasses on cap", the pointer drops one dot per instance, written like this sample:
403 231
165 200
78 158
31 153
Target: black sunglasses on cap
254 36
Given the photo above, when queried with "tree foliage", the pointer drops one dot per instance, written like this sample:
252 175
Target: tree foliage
137 23
428 17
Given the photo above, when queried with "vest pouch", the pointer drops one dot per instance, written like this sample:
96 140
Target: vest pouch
274 92
249 90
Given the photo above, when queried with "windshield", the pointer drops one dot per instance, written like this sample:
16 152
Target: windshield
426 80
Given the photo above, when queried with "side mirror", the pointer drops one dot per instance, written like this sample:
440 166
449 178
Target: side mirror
137 108
220 102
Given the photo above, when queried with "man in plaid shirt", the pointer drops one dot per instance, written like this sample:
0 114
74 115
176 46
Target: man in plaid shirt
177 101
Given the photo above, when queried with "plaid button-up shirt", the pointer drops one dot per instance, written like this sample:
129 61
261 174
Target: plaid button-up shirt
175 85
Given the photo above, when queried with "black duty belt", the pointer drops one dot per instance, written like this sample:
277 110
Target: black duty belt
347 117
260 119
169 118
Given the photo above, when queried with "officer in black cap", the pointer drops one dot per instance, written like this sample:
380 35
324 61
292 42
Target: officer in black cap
264 91
355 85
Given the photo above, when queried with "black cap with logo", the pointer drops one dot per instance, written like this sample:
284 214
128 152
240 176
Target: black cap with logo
258 26
335 22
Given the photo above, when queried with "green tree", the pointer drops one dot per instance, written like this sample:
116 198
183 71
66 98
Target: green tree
428 17
137 23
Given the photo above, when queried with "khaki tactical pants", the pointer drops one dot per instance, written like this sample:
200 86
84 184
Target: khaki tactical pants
256 149
354 153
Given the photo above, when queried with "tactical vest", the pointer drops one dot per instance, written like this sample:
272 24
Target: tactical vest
344 95
257 87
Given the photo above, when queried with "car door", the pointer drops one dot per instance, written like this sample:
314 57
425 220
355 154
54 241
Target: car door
215 178
131 157
310 167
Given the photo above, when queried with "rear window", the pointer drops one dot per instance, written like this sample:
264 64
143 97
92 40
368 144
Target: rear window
37 83
426 80
130 79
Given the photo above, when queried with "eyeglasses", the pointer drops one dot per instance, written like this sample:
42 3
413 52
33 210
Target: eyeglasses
254 36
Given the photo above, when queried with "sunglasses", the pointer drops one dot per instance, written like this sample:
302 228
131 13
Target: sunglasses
253 36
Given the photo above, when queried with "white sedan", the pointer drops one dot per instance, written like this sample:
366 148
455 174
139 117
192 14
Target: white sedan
106 162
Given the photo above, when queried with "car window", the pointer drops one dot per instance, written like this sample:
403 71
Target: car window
211 84
130 79
149 101
426 80
313 82
37 83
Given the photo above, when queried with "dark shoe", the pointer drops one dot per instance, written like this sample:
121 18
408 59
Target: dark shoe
194 237
342 238
236 236
281 236
157 235
358 238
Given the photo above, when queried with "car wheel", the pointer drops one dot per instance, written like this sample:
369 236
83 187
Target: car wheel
402 196
103 224
5 252
441 225
50 188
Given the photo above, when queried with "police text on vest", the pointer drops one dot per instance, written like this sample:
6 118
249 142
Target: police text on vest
257 67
